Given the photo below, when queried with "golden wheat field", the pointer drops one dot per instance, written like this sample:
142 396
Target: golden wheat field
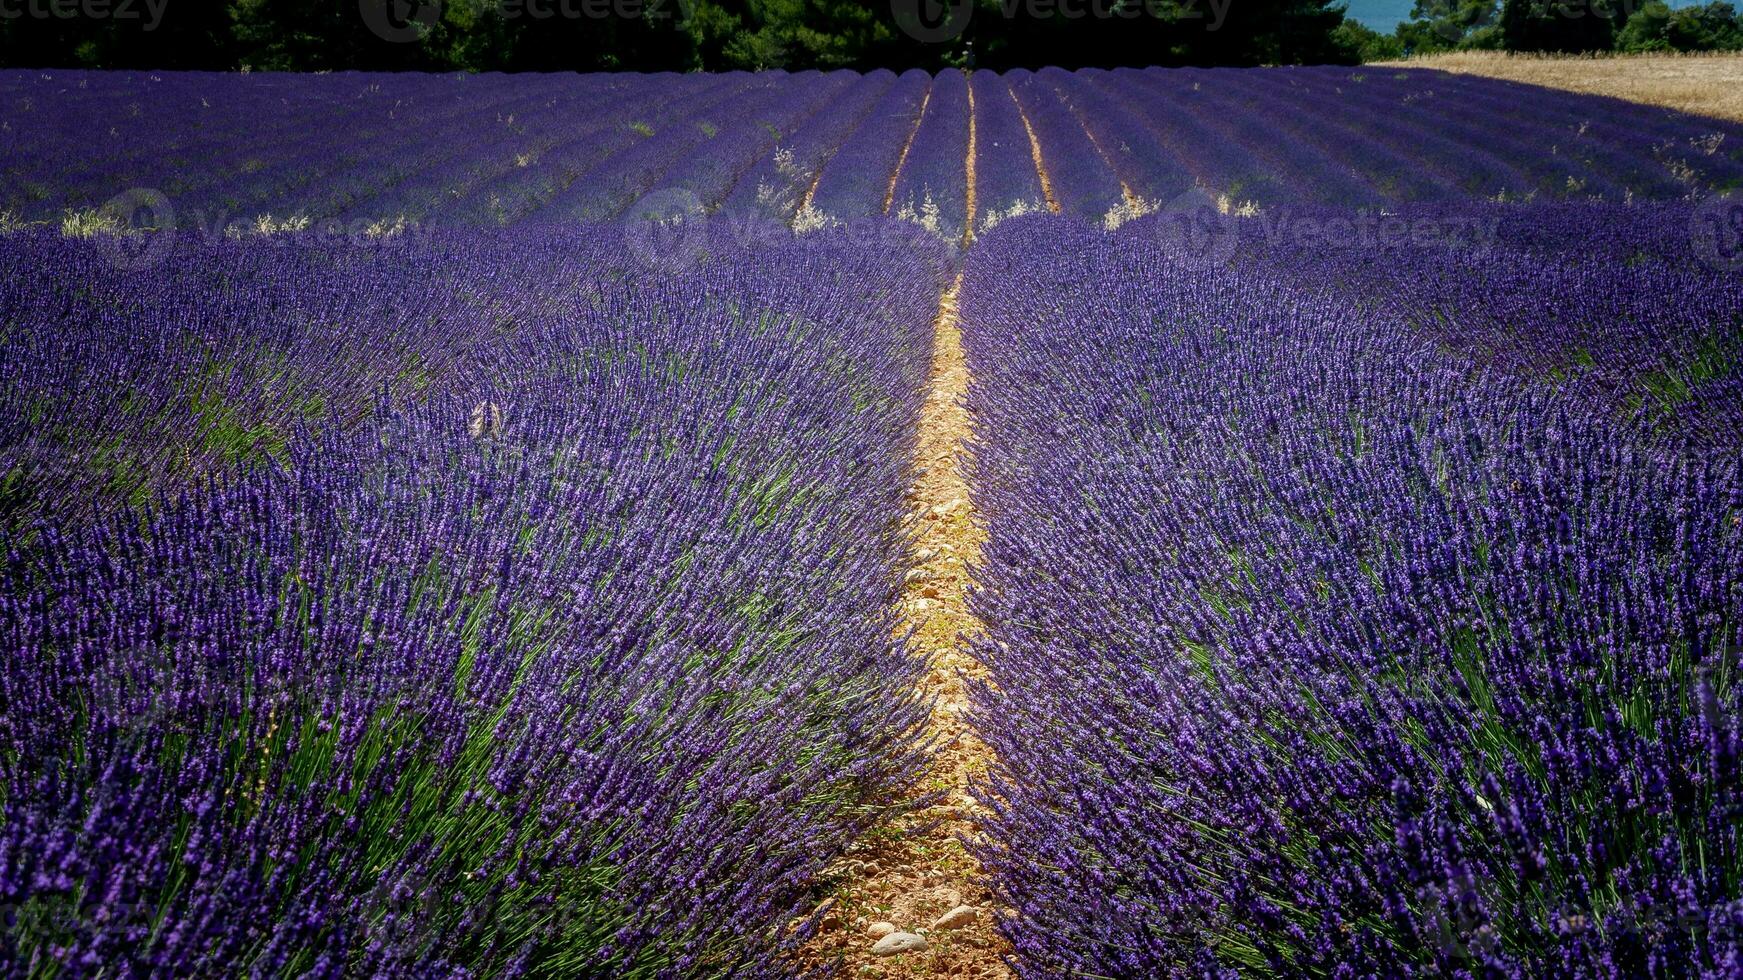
1706 84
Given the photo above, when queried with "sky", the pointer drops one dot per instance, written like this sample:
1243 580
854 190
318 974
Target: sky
1381 15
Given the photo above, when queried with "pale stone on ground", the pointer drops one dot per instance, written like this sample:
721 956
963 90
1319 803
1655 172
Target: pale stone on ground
897 943
957 918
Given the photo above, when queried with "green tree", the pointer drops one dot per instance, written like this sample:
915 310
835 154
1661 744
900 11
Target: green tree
1069 33
1449 25
801 33
1563 26
1366 44
1646 30
1656 27
680 35
173 37
1714 27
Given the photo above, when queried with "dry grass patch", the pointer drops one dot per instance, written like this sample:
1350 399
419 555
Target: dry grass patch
1704 84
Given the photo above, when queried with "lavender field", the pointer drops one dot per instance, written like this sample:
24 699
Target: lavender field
479 525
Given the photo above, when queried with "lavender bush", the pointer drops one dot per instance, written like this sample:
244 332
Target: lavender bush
1082 182
276 152
1007 183
779 183
931 187
578 659
857 179
406 573
1612 303
1322 647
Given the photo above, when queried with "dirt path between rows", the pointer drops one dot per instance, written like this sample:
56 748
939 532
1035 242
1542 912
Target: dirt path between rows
907 879
1129 198
971 199
901 160
1035 152
915 884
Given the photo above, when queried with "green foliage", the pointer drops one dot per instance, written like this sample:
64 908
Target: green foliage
1624 26
1562 26
1036 33
675 35
1656 27
781 33
723 35
1451 25
1366 44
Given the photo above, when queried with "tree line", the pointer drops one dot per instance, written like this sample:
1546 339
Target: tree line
1555 26
719 35
664 35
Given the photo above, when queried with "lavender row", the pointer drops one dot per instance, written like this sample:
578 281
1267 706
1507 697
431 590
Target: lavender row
568 169
781 183
1007 180
931 183
858 179
1293 136
121 384
711 177
1321 645
224 145
632 173
1082 183
1628 306
484 150
574 658
1132 151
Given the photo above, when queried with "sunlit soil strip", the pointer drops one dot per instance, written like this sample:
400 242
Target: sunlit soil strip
803 218
896 174
1035 152
804 207
968 171
1132 200
918 879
